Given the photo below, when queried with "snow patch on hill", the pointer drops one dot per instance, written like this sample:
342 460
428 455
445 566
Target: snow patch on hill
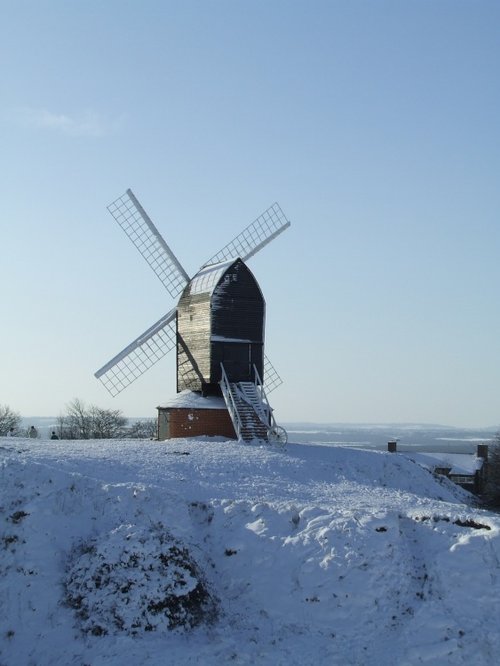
210 552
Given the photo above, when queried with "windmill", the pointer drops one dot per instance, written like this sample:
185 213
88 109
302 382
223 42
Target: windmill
217 326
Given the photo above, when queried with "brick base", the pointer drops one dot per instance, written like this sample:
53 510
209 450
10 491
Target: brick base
190 422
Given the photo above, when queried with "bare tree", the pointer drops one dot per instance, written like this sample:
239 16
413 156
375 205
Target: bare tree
143 429
78 420
8 419
82 422
62 428
106 423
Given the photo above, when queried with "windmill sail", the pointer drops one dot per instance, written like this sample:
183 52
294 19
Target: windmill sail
257 235
139 355
271 377
159 339
139 227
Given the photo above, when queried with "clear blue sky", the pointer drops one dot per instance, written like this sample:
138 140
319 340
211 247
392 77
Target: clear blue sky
375 125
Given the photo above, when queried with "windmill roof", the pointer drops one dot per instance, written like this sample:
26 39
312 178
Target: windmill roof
208 277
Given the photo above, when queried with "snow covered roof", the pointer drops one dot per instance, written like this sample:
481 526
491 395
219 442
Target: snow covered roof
193 400
208 277
459 463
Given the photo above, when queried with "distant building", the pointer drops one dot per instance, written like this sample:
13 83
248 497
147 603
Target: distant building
468 470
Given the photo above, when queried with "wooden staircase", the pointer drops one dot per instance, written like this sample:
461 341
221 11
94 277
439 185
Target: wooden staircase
252 412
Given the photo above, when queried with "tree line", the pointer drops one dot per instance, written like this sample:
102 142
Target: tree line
81 421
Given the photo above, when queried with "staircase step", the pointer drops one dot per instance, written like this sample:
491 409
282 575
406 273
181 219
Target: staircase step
250 410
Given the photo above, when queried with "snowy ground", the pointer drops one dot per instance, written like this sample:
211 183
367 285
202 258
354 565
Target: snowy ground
212 552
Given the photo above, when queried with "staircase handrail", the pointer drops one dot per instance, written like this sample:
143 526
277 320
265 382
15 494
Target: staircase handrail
275 432
231 405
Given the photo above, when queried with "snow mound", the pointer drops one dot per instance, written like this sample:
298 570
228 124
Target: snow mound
119 553
137 579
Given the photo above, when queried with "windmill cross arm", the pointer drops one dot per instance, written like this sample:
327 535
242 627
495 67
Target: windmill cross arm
253 238
139 227
158 236
144 337
139 355
266 241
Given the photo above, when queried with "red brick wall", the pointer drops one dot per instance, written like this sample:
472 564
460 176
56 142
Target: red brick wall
196 422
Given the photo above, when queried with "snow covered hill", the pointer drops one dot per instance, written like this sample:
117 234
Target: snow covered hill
212 552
